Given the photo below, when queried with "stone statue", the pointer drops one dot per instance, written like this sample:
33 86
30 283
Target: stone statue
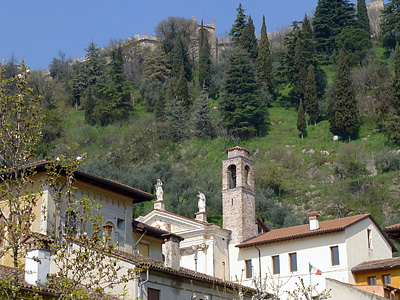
202 201
159 190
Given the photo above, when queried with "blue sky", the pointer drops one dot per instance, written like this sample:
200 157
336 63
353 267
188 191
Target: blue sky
36 30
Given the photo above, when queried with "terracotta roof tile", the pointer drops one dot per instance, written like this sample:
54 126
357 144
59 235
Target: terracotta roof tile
159 265
237 148
393 227
377 264
302 231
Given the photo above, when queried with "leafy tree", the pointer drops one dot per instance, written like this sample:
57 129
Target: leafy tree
265 72
311 95
329 19
84 252
390 27
20 130
343 111
248 40
201 116
242 107
362 16
204 59
239 25
168 30
301 119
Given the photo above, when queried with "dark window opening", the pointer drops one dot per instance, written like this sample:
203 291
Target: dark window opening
249 269
276 265
293 262
335 255
232 176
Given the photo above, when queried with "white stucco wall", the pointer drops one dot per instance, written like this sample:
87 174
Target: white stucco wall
341 291
353 249
357 245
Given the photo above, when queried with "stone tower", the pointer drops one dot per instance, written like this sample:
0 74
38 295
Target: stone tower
238 197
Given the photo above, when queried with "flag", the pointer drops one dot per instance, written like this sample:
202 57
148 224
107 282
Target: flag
314 270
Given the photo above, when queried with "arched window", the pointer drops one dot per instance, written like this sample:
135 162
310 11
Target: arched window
232 176
108 230
247 174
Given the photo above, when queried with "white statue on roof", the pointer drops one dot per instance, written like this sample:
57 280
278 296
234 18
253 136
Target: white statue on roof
159 190
202 201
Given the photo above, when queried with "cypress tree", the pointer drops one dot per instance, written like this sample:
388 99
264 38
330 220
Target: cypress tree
299 72
396 80
301 119
239 25
362 16
182 90
243 110
343 111
311 95
248 40
204 59
180 56
265 74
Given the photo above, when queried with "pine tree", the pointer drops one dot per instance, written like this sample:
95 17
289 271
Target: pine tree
265 73
343 111
176 119
242 107
390 27
301 119
182 90
204 59
362 16
113 93
311 95
248 40
202 126
239 25
329 19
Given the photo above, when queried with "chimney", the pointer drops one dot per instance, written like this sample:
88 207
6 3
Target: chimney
172 252
37 265
313 218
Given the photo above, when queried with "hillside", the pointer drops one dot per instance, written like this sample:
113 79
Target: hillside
293 175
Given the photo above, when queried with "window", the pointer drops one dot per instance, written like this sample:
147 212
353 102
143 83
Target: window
247 174
249 269
372 280
293 262
153 294
232 176
369 237
335 255
275 265
386 279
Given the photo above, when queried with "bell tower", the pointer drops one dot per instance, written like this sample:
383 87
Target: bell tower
238 196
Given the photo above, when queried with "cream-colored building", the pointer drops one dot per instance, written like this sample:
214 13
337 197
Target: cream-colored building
138 244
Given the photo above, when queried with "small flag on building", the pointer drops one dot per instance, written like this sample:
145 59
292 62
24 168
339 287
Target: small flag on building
314 270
